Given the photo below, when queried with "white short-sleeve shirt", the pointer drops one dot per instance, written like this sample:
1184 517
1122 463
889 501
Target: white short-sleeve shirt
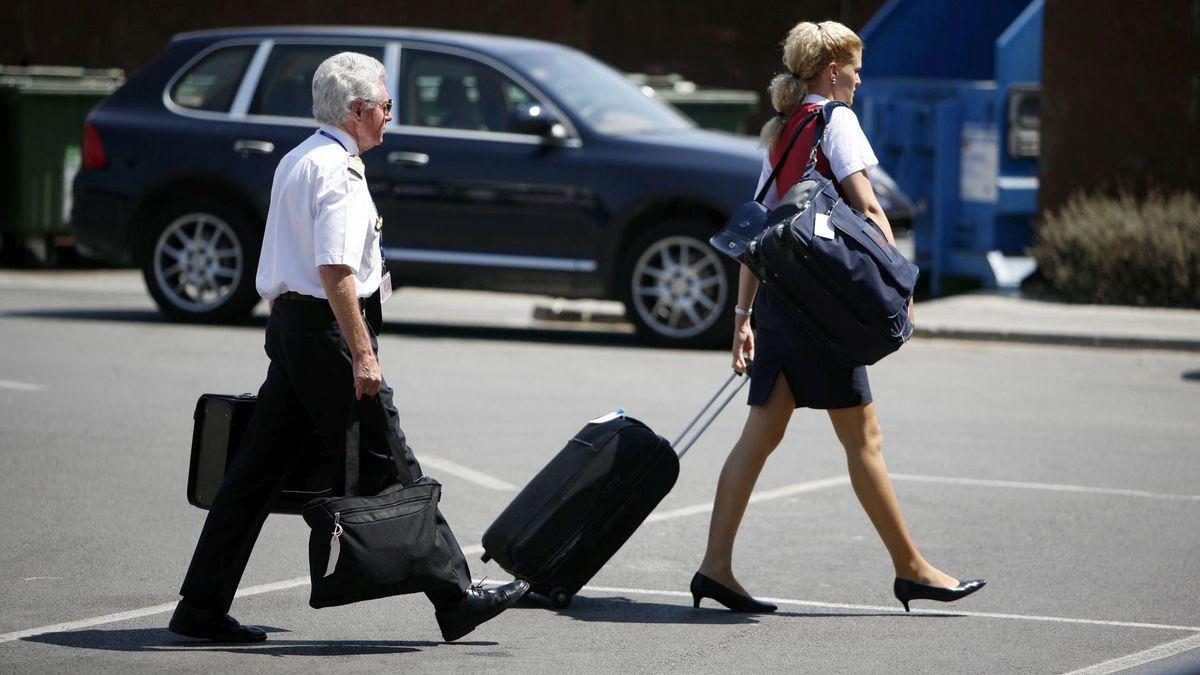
321 213
844 144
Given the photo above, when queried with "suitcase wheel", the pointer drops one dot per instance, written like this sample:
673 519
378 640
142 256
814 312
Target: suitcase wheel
560 597
485 557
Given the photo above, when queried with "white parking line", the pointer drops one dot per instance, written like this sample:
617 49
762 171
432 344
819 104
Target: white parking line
20 386
1164 651
465 472
1054 487
760 496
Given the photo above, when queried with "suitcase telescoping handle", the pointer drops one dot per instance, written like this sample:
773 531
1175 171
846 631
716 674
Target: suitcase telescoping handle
682 450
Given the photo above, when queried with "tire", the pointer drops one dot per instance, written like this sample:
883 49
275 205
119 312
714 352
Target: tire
199 260
677 289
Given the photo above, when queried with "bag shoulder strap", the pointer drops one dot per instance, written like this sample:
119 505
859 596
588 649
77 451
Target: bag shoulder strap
826 111
822 116
354 432
762 193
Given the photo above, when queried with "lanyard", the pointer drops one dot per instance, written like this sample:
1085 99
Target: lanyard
333 138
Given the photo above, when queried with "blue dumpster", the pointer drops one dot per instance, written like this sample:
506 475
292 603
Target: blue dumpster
950 101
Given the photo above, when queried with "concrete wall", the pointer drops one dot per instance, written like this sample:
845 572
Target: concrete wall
1121 97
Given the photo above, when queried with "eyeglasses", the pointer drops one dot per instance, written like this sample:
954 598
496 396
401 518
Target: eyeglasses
386 106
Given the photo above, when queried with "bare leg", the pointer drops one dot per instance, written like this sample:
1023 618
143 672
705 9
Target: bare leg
858 430
760 436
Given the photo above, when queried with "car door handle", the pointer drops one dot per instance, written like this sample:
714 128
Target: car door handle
254 147
408 158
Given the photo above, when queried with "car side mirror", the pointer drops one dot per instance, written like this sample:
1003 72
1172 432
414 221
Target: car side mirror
536 120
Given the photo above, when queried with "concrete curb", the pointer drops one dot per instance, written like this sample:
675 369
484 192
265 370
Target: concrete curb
1064 339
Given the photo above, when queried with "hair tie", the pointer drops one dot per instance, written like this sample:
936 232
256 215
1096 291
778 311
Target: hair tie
781 114
795 76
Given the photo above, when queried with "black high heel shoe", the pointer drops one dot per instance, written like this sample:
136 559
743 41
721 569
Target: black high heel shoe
906 590
703 587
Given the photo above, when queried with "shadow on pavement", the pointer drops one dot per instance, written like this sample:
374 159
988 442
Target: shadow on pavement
509 334
619 609
1191 376
390 328
162 640
624 610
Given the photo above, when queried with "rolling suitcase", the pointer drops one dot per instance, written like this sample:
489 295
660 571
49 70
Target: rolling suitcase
582 507
220 423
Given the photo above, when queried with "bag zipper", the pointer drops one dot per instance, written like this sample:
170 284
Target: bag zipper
375 507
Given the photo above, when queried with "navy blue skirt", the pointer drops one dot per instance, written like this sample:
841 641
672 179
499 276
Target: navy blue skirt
781 345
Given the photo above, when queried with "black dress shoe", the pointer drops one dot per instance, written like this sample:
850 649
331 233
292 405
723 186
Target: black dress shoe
195 622
478 605
704 587
906 590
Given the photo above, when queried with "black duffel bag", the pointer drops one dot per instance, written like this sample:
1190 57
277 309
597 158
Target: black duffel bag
367 547
846 285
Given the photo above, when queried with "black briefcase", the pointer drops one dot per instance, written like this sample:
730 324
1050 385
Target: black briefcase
220 423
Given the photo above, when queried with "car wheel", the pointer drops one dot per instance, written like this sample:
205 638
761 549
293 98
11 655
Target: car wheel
199 262
678 290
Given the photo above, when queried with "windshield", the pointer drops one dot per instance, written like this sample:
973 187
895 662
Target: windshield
599 95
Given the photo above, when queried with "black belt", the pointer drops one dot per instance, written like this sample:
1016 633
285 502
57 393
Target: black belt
300 297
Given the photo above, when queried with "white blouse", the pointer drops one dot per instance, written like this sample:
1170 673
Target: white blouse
844 144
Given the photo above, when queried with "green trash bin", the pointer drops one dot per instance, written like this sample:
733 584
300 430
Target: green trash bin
42 111
723 109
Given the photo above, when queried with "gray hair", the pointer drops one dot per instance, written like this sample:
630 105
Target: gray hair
339 80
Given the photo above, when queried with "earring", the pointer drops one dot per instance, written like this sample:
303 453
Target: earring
833 80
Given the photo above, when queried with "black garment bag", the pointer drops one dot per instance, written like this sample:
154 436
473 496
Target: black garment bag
582 507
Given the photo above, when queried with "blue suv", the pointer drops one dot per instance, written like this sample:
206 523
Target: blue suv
510 165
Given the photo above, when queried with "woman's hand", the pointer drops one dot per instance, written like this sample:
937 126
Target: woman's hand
743 343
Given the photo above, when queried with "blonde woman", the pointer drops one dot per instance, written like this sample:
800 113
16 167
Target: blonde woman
790 371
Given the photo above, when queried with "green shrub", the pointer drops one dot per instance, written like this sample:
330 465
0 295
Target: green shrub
1123 250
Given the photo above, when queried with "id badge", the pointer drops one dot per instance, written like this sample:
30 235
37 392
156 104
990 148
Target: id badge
385 287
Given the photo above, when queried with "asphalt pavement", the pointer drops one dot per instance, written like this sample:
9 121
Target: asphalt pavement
1065 475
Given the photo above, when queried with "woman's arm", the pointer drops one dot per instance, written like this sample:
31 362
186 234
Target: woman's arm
743 336
860 195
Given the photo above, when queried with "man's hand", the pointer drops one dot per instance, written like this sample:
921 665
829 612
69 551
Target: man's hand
912 314
367 378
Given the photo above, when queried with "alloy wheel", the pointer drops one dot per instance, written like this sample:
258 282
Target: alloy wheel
198 261
679 287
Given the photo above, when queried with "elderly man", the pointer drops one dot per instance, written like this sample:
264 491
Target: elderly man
320 263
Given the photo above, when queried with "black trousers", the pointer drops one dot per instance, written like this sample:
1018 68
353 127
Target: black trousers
309 386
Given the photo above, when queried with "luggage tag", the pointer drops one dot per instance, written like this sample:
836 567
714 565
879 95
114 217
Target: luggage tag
335 545
821 226
385 287
619 412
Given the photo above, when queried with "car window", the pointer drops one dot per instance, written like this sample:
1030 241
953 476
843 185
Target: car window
603 98
285 88
452 92
213 81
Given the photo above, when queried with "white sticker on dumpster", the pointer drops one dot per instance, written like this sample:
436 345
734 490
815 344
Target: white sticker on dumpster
980 163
